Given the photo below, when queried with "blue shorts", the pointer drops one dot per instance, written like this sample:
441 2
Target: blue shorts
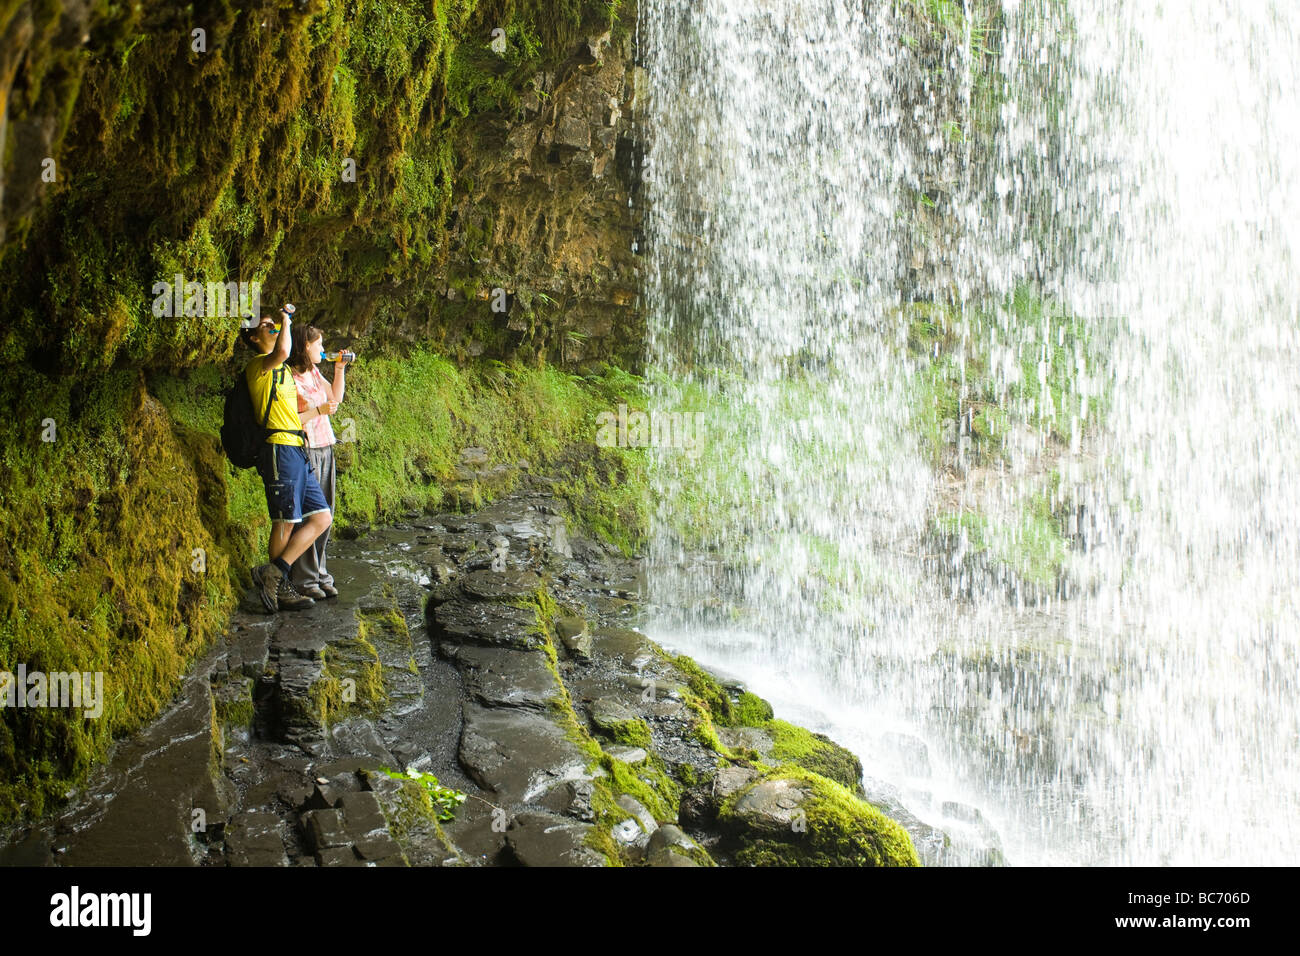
292 490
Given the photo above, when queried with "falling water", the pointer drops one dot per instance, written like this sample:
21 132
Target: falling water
1052 600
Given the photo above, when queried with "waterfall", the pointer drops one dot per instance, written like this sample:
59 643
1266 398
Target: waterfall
988 314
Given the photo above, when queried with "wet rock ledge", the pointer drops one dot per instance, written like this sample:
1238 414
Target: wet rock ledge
494 654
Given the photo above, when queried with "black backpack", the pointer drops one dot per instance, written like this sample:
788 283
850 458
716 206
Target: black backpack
241 435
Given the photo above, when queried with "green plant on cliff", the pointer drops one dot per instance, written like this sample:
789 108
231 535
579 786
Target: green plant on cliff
1018 381
442 802
1028 541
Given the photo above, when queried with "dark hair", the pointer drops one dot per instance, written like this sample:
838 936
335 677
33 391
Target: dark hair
298 360
246 334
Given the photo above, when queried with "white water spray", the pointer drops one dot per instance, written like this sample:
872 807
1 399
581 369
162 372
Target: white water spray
818 174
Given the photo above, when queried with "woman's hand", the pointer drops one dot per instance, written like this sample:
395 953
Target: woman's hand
329 408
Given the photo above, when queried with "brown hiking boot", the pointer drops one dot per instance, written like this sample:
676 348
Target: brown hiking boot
289 597
266 577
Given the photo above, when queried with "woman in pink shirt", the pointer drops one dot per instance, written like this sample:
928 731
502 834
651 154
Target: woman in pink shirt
318 398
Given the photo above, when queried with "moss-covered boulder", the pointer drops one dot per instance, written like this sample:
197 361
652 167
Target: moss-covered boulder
793 817
778 741
814 752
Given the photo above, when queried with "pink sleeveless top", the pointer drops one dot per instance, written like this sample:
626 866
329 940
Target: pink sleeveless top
313 387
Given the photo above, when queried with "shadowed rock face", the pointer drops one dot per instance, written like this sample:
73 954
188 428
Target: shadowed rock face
303 737
489 207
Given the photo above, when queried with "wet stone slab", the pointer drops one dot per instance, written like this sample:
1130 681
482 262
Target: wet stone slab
498 677
486 623
500 585
544 839
517 754
630 648
253 839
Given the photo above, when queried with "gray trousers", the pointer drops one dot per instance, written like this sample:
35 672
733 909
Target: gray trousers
309 569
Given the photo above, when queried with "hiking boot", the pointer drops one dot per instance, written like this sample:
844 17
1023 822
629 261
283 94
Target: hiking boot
329 589
312 591
266 577
290 598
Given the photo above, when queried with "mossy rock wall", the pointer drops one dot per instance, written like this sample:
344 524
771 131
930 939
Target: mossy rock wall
115 556
133 149
380 163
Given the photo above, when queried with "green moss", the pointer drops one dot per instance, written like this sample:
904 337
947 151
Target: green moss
1049 388
111 560
630 733
648 783
394 85
235 710
194 403
936 26
937 400
1029 542
610 494
751 711
930 328
545 611
352 677
793 746
419 808
705 687
703 729
837 829
816 753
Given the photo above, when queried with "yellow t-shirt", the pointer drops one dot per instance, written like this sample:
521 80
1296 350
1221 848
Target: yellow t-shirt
284 409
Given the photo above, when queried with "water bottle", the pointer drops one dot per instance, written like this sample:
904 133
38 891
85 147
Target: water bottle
340 356
287 309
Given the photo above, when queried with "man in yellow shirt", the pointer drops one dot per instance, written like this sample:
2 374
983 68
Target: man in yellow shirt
299 514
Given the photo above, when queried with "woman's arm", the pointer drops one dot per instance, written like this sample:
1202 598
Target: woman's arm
339 385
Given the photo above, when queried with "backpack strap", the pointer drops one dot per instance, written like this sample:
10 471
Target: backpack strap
277 376
270 397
